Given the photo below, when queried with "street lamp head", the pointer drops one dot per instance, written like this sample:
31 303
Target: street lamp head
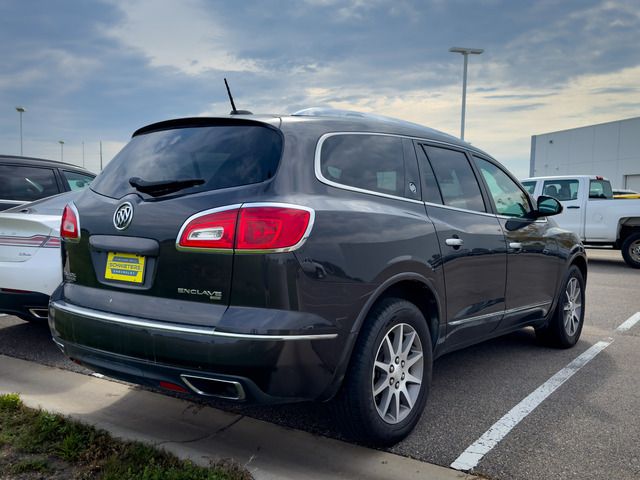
466 50
61 142
20 109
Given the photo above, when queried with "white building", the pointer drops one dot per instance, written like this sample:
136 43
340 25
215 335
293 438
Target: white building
608 149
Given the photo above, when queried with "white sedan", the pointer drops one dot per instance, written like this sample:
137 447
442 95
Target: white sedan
30 260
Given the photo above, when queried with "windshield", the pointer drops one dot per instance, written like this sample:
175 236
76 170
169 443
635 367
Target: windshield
222 156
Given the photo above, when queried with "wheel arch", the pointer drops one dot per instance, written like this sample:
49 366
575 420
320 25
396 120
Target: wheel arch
412 287
581 262
627 226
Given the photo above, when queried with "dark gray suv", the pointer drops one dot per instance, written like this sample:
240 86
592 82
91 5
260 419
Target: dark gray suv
322 255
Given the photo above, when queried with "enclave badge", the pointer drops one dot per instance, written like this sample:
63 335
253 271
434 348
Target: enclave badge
123 216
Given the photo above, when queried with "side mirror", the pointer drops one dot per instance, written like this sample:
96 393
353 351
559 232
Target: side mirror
548 206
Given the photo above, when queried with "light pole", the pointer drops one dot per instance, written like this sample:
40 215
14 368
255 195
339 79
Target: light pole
61 142
20 110
465 52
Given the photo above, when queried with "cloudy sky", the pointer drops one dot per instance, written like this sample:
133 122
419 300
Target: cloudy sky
90 71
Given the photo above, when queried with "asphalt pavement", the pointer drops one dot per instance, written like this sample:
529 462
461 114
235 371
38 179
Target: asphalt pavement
589 428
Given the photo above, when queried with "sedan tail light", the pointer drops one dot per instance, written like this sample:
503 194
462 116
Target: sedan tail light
70 226
250 228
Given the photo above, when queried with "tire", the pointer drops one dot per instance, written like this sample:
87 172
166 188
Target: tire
565 324
631 250
380 420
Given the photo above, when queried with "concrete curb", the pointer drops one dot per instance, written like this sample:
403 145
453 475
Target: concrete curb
204 434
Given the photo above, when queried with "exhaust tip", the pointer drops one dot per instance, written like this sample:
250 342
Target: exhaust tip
42 313
215 387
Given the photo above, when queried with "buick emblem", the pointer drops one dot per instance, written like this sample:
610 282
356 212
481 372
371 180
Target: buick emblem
122 216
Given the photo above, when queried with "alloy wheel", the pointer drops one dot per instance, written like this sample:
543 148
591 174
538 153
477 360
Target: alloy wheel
397 373
572 307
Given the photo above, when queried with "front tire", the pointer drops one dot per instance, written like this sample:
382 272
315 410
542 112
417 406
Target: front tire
631 250
386 387
566 322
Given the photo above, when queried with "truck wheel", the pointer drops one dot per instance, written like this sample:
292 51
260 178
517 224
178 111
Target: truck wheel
386 387
631 250
566 321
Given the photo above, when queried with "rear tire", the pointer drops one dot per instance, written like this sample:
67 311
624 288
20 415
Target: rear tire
631 250
565 324
387 384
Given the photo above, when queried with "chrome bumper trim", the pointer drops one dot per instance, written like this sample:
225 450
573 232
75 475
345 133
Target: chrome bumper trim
172 327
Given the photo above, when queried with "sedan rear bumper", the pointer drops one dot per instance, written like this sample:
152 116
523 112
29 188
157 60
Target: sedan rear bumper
26 305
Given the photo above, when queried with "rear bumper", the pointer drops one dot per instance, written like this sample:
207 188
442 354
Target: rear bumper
41 273
26 305
252 366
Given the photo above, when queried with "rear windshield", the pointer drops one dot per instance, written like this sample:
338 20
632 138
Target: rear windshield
223 156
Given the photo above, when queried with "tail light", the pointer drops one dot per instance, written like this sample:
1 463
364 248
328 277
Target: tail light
250 228
70 226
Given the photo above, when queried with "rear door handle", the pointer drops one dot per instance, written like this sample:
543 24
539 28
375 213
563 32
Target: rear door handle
573 206
454 242
515 245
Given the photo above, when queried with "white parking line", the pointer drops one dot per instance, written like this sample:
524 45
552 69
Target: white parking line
472 455
629 322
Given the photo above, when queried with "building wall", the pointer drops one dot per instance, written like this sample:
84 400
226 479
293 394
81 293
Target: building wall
609 149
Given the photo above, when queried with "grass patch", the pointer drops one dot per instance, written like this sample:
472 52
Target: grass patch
38 465
38 441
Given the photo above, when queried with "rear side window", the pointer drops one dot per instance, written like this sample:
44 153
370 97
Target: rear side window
563 190
370 162
457 182
600 189
222 156
26 183
530 187
77 181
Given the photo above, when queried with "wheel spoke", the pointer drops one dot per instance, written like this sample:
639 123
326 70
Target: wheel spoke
389 347
386 401
412 379
380 387
404 392
413 360
406 349
382 366
398 340
397 398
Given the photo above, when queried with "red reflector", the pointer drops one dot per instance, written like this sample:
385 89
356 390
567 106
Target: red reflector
173 387
13 290
214 230
269 228
69 227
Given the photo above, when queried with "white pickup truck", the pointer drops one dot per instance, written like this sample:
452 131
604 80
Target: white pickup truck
591 211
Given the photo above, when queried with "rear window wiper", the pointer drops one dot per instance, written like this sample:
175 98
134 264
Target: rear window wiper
163 187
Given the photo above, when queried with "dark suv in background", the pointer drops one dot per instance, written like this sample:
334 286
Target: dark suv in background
322 255
25 179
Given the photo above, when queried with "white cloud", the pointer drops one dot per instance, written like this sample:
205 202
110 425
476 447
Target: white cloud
181 36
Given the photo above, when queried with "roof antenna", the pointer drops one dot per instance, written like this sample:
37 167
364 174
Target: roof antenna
234 111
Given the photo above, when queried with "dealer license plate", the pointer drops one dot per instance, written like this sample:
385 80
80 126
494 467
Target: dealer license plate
126 267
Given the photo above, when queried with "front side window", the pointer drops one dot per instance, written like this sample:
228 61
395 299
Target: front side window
27 184
563 190
510 200
77 181
370 162
458 184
